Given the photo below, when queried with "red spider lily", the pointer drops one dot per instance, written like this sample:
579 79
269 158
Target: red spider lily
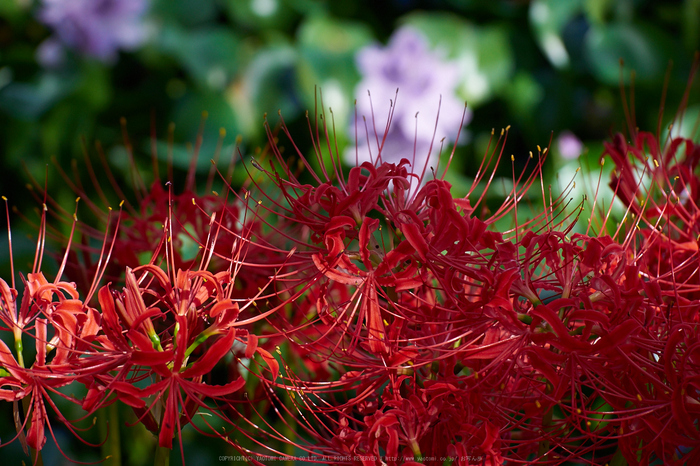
657 181
556 335
170 364
333 215
430 241
54 316
197 312
189 324
36 384
656 178
667 206
347 250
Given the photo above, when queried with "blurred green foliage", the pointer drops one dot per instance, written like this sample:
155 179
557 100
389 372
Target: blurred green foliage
541 66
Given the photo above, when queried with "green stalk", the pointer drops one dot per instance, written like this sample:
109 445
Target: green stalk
289 428
19 347
415 448
111 449
618 458
546 425
162 456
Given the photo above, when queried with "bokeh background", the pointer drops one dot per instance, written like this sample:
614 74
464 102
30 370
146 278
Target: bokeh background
70 70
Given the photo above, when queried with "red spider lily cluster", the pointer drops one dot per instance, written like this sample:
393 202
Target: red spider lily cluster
371 317
150 345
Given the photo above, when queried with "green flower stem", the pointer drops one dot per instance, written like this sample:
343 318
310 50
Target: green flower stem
111 449
162 456
19 346
544 444
201 338
415 448
618 458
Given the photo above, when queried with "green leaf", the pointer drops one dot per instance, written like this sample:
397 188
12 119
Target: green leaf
643 49
333 36
269 84
688 126
597 10
12 9
327 49
260 14
618 459
603 413
95 88
209 55
30 101
553 15
188 119
523 95
189 12
548 19
691 24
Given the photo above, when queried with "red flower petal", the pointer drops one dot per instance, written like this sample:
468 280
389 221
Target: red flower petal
271 362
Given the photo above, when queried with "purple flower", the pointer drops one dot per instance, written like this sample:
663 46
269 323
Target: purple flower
425 81
95 28
569 145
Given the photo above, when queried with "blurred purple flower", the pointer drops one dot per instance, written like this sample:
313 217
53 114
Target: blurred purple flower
425 80
95 28
569 145
51 53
